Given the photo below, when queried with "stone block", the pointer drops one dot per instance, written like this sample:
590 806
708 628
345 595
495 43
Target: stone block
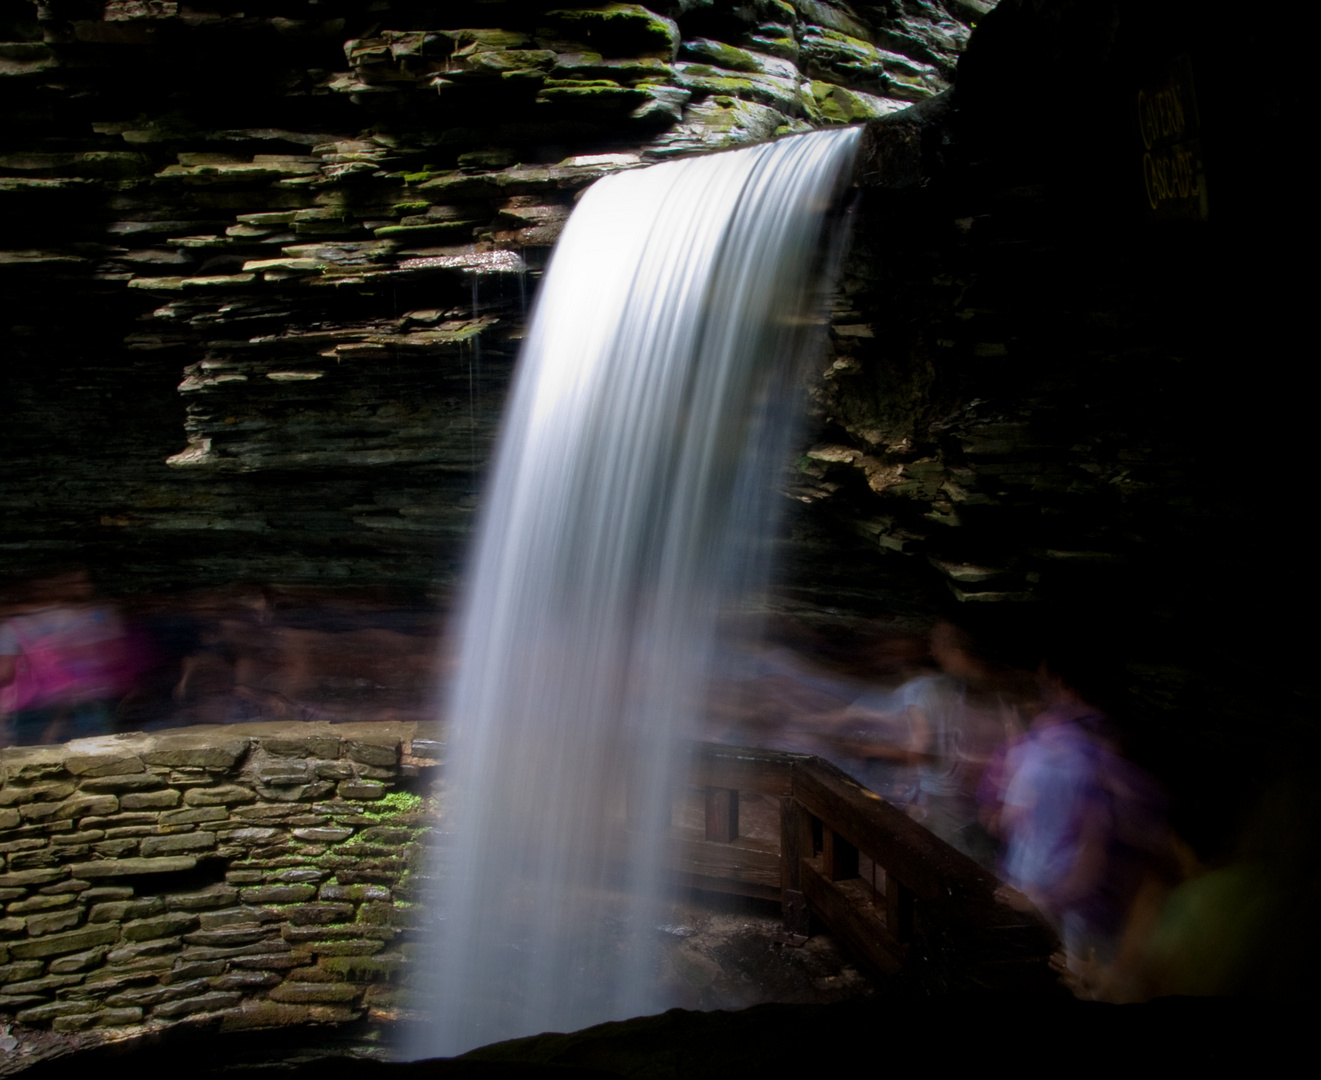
247 980
230 937
278 894
300 875
284 772
51 791
20 972
384 834
369 753
38 903
253 834
243 877
354 893
74 962
79 806
265 962
313 746
319 914
99 1019
213 896
164 799
129 782
177 842
214 1002
295 792
157 949
121 910
194 815
178 753
114 763
315 974
121 820
107 892
42 1014
262 812
220 795
315 993
148 996
28 878
46 985
237 916
131 832
54 921
8 819
186 972
110 868
323 835
158 926
256 1015
63 944
334 770
38 811
270 945
360 789
114 849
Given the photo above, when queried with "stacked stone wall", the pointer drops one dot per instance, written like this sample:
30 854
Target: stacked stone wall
253 876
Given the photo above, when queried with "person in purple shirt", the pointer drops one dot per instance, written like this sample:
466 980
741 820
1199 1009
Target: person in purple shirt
1078 823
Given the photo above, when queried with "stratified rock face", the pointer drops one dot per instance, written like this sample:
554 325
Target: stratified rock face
268 272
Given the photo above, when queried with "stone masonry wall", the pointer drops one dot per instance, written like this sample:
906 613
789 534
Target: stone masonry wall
253 875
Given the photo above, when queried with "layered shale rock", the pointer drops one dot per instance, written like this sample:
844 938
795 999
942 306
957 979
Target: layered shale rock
268 272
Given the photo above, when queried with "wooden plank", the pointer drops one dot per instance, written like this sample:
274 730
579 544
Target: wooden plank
852 918
899 909
795 839
767 772
726 887
745 861
922 861
721 814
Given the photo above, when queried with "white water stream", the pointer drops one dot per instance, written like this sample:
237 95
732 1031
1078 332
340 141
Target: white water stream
632 490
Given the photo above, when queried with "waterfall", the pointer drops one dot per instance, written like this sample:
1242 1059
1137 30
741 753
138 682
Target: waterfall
629 499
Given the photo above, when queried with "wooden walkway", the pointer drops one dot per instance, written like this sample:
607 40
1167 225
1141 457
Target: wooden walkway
795 829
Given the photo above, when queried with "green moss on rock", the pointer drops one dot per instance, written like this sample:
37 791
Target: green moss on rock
620 29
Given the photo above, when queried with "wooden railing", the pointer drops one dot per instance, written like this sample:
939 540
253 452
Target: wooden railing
796 829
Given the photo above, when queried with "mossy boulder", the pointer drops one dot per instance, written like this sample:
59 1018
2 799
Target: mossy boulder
619 29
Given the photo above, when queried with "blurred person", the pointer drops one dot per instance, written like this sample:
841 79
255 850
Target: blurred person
1081 826
924 744
64 659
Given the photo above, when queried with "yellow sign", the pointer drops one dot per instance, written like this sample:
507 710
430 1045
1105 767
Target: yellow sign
1173 177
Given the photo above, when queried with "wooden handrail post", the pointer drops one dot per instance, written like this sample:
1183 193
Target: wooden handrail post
898 909
722 814
795 845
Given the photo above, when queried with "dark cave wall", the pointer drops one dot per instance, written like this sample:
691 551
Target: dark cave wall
1069 416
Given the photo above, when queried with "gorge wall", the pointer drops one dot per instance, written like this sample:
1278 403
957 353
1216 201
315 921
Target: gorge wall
266 273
